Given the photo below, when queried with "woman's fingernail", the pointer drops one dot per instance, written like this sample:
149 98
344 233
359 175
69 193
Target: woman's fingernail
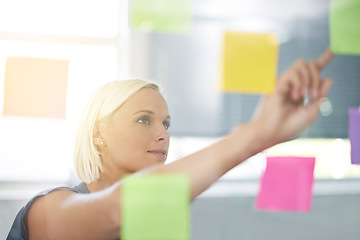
315 92
305 92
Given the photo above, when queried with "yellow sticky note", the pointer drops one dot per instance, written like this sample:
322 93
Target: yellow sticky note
35 87
249 63
156 207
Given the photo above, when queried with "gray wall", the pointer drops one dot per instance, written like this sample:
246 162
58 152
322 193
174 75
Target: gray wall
8 211
229 218
221 214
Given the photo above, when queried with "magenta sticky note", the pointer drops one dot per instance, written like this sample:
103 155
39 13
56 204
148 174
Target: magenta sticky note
286 184
354 134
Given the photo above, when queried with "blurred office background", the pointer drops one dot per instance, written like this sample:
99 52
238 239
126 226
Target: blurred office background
96 40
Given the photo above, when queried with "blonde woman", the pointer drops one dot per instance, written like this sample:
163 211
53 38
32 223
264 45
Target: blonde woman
124 130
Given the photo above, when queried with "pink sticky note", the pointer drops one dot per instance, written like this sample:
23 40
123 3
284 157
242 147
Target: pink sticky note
287 184
354 134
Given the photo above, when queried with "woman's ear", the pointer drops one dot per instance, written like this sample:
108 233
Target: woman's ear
99 141
97 136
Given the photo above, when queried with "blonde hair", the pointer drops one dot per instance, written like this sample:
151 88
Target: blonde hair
104 102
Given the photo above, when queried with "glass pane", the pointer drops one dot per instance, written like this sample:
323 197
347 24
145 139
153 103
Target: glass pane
91 18
31 145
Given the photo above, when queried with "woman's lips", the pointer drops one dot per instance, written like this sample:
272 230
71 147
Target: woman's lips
160 153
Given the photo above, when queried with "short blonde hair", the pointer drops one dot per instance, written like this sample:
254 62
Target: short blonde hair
104 102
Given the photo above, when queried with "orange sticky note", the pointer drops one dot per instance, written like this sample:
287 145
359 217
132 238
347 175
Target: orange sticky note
249 63
35 87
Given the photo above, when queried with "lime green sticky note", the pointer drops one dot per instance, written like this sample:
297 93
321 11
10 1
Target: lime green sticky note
161 15
155 207
344 26
249 62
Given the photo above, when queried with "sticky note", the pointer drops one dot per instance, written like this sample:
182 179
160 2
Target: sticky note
155 207
35 87
286 184
249 62
174 16
344 24
354 134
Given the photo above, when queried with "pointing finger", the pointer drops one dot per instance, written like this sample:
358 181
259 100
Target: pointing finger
324 59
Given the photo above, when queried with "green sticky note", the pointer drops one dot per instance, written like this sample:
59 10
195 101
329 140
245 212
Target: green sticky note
344 25
155 207
161 15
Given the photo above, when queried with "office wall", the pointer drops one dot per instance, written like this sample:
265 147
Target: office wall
333 217
230 215
8 210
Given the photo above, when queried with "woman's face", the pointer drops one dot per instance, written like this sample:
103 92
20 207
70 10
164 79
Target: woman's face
136 136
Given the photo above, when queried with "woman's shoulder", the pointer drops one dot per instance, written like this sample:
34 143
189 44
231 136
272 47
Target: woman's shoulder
19 228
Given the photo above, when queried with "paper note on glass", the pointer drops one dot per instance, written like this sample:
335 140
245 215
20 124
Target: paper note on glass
35 87
287 184
344 26
249 62
173 16
156 207
354 134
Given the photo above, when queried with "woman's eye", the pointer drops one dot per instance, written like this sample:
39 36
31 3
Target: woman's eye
144 120
166 125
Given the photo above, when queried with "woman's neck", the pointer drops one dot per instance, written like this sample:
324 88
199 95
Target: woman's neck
109 176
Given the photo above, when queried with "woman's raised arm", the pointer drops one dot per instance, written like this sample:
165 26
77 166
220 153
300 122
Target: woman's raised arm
281 116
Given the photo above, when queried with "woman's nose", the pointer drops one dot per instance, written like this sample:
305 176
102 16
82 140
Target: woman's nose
163 135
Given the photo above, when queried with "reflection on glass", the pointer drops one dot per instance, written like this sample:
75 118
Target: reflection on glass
60 17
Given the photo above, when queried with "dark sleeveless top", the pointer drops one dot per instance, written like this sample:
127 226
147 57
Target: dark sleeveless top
18 230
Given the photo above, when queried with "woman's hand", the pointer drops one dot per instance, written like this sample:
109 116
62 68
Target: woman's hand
284 115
